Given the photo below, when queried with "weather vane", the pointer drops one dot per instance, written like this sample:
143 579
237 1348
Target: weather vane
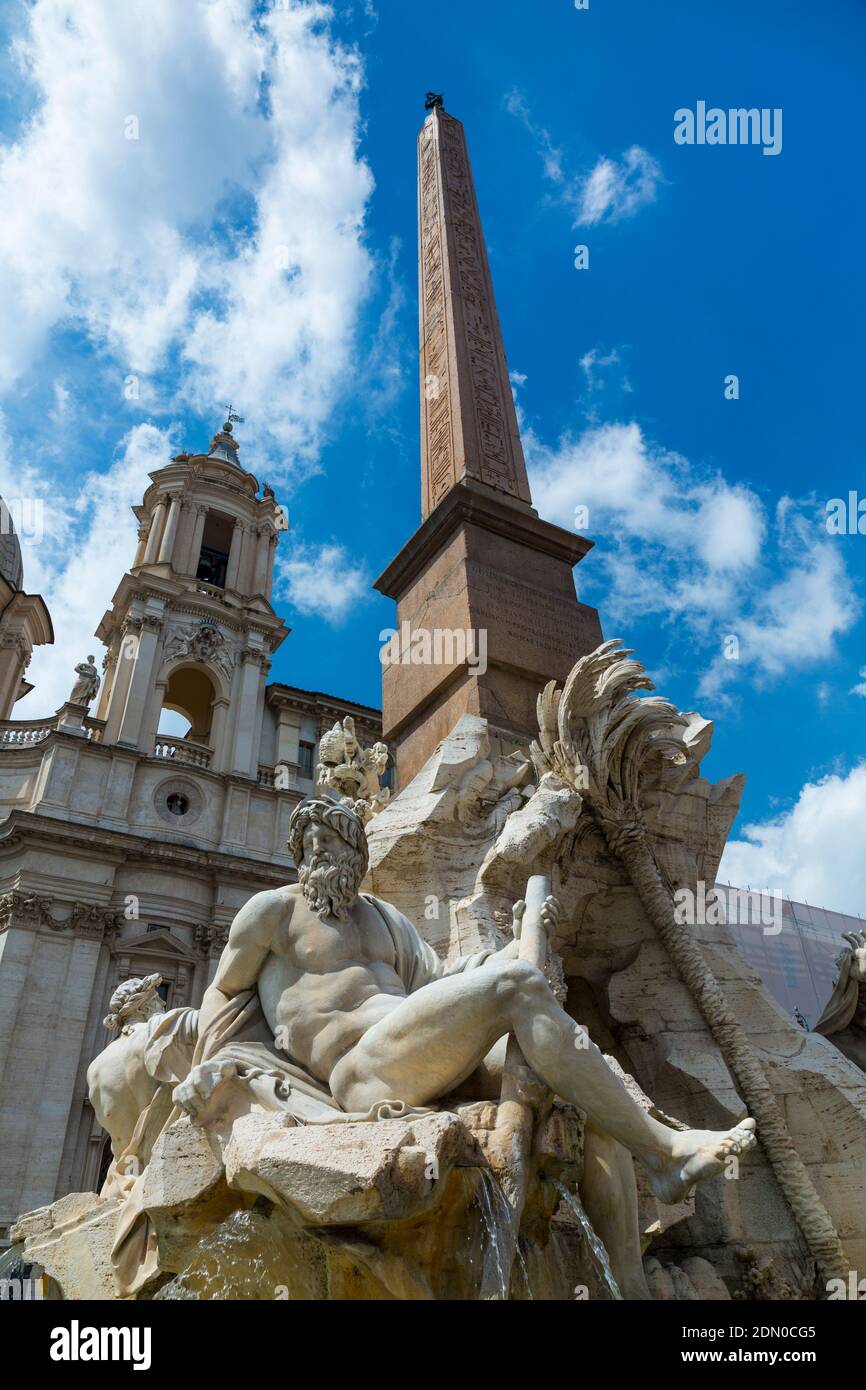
434 99
232 417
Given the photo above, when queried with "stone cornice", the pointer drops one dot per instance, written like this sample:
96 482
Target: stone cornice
31 912
122 846
179 598
318 705
471 503
30 611
201 468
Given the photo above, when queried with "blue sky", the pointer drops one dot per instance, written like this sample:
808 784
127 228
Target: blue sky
257 243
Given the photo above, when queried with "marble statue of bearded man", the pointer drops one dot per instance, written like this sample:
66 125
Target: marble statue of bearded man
328 1005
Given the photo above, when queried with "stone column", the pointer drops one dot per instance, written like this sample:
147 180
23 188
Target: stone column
45 991
260 568
109 673
248 550
132 731
14 656
247 735
142 545
154 535
272 551
218 734
127 655
234 560
190 559
166 547
153 710
260 713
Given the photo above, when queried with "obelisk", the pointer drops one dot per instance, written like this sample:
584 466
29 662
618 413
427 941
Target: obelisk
486 605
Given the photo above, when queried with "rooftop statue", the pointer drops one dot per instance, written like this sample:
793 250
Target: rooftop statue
351 771
85 688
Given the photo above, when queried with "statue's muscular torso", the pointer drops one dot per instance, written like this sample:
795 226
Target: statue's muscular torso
322 982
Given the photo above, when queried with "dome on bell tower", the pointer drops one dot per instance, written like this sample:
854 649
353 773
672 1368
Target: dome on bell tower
224 445
11 564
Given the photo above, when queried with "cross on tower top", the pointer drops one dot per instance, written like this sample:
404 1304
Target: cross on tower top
232 417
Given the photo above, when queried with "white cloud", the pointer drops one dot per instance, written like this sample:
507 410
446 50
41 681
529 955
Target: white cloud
683 543
516 105
224 246
321 580
612 191
382 376
62 405
860 688
596 362
89 539
283 344
814 852
794 623
230 229
642 493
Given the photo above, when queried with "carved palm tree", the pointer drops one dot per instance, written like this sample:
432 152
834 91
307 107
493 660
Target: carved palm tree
602 741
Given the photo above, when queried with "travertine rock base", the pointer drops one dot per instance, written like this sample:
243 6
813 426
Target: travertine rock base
399 1209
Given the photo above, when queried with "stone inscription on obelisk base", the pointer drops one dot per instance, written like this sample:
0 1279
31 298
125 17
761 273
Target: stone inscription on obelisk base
482 562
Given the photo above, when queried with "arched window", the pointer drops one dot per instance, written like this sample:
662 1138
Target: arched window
187 706
215 545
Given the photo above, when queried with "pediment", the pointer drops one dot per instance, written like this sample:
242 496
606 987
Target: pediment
159 944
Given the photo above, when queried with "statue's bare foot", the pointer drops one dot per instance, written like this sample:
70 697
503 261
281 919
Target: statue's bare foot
696 1154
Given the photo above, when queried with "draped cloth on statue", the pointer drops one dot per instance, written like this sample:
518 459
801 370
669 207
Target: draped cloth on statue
266 1080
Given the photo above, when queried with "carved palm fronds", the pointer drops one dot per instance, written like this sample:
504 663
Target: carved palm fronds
600 739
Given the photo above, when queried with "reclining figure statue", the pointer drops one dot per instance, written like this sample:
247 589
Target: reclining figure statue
328 1005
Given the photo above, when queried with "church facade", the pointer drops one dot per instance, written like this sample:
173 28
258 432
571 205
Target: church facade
125 850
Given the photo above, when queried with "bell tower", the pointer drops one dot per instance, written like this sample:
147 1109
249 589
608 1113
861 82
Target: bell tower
191 628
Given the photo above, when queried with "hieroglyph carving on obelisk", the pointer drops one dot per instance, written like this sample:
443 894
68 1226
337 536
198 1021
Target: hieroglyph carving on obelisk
468 421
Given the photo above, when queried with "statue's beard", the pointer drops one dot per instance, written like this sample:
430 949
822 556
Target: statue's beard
330 884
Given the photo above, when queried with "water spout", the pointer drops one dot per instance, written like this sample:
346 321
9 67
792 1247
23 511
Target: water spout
497 1220
596 1248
